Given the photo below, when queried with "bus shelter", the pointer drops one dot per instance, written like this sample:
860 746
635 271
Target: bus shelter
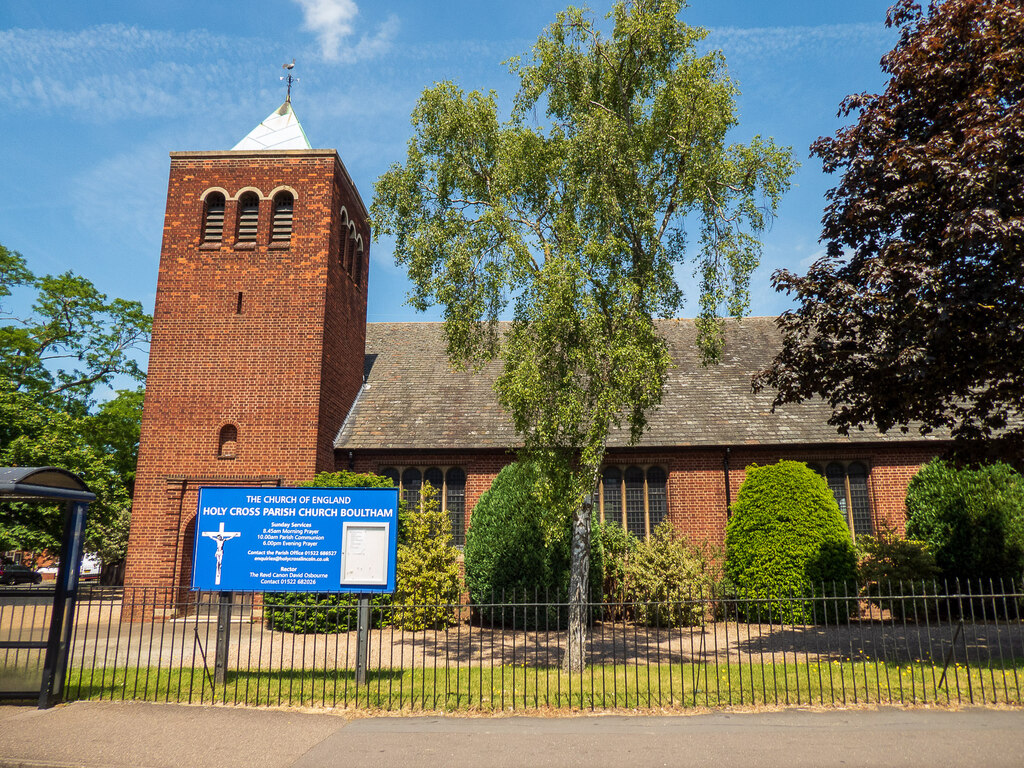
48 485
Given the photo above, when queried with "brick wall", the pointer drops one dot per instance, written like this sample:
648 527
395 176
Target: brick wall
696 477
283 371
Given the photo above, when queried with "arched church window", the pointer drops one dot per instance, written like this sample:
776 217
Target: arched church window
657 496
228 441
284 207
213 218
248 216
450 484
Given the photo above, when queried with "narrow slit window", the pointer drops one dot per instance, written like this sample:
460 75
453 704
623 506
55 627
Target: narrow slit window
248 216
238 304
213 219
284 208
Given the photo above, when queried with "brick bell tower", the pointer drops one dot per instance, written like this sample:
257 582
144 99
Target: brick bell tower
258 333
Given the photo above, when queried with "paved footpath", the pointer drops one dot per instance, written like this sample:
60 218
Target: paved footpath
136 735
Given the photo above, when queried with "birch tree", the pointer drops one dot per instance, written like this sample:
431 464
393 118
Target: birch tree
568 218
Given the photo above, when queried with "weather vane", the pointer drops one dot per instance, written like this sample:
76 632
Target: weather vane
289 78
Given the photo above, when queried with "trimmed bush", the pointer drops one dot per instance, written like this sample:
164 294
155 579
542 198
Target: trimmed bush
786 538
427 571
511 558
972 520
310 612
889 565
669 581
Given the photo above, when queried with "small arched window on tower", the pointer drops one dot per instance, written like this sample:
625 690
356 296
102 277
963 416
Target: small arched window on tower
213 218
248 216
350 247
227 442
284 206
357 265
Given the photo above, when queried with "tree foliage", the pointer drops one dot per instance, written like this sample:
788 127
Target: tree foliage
916 312
52 360
33 435
570 215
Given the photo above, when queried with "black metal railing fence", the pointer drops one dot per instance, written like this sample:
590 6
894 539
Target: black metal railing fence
892 643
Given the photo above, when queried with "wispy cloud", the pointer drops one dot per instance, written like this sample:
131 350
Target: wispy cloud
112 71
333 22
800 41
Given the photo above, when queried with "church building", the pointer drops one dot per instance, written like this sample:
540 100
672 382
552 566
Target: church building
263 371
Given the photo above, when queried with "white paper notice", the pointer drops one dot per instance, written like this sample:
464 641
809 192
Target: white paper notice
364 553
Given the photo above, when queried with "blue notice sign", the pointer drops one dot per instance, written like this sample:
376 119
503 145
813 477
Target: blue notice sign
296 539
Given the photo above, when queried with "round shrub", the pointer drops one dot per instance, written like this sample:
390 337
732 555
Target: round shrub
787 540
972 520
511 559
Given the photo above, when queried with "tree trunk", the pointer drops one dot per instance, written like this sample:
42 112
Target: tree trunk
579 576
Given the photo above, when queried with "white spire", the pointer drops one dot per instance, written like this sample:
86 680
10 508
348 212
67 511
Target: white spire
281 130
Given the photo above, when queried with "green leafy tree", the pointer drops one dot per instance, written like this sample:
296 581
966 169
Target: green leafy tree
74 340
576 222
512 557
51 361
913 317
34 435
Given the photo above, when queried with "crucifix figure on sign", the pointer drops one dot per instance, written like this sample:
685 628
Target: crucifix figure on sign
220 537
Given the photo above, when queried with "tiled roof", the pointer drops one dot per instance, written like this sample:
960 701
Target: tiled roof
413 399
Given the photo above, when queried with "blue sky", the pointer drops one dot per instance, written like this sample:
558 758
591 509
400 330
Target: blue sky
93 96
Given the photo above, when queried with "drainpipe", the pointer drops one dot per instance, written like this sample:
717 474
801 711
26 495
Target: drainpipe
725 470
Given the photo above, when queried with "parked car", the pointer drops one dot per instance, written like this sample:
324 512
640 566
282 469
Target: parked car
12 573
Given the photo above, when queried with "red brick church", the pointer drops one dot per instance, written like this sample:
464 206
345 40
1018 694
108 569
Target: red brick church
263 371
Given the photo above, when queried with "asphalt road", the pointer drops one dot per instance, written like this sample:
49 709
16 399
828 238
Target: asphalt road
116 734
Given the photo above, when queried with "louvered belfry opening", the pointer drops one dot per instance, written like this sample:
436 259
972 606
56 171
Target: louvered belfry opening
248 216
213 222
284 206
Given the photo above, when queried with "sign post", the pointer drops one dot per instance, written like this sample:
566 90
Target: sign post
295 540
362 639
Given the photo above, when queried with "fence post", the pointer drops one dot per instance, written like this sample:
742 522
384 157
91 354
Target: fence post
362 639
220 663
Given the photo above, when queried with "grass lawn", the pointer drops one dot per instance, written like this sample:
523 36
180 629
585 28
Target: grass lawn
860 681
